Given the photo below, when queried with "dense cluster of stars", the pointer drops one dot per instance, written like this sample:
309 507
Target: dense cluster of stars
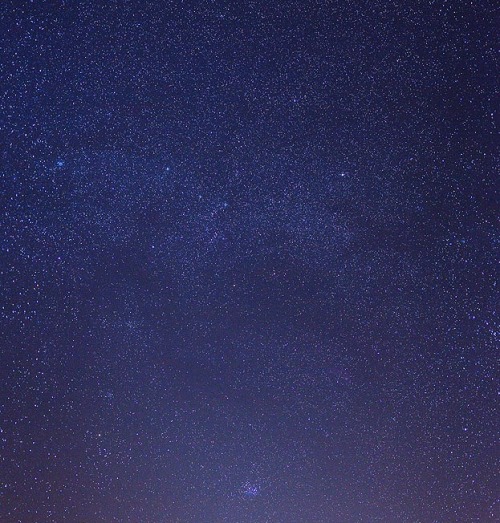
248 262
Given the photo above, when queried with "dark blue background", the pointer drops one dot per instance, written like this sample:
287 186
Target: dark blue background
248 262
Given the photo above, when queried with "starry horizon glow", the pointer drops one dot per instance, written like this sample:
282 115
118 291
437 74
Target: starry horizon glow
249 262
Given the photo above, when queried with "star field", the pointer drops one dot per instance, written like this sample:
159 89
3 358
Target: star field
248 262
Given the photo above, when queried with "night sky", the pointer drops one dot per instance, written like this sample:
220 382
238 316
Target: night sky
248 261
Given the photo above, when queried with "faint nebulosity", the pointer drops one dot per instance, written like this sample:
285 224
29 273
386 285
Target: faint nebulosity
248 261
